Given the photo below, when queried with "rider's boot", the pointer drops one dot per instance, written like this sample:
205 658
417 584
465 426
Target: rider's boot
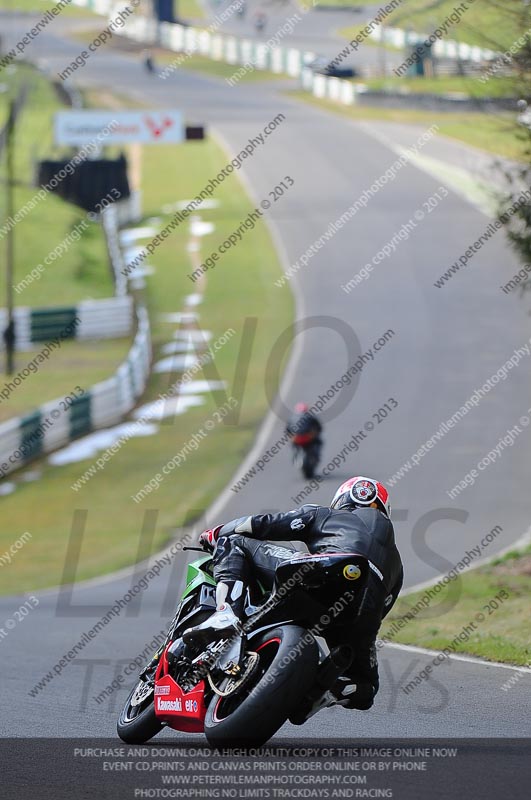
339 695
353 695
225 621
342 691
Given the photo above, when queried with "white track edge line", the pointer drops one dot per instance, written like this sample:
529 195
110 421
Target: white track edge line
469 659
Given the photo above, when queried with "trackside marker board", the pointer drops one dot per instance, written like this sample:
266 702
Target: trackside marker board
78 128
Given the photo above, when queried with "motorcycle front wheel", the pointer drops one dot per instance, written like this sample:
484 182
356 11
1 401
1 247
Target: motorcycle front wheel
138 722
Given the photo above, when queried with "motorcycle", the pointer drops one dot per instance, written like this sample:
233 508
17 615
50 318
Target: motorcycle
149 63
306 453
260 20
240 691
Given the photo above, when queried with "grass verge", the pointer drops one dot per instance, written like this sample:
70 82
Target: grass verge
347 4
41 6
495 133
502 629
188 10
82 269
488 23
218 69
471 87
75 363
241 286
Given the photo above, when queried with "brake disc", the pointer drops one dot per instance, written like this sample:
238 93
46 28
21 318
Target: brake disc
235 683
142 692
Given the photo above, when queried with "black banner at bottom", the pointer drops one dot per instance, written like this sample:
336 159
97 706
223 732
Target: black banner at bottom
405 769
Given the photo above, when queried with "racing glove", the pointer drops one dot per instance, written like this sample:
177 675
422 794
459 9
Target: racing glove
208 539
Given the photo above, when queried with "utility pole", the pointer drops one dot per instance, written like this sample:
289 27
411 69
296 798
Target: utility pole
383 50
7 140
9 333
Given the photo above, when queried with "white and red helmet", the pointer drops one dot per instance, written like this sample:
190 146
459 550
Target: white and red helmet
360 492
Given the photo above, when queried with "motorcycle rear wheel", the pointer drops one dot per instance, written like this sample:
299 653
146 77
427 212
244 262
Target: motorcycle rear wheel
287 668
309 463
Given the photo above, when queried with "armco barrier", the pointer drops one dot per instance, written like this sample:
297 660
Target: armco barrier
60 421
110 318
344 92
238 52
217 46
442 48
116 258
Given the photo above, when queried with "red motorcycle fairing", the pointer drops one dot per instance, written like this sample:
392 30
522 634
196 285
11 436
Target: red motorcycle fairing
303 439
182 711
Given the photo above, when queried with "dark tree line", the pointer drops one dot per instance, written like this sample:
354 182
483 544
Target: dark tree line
518 62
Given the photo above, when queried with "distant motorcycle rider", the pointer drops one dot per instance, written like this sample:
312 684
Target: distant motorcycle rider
260 20
357 521
149 62
305 431
303 426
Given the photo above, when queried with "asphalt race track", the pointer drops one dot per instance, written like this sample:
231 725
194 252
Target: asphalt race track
445 343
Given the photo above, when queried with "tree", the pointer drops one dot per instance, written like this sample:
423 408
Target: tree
515 205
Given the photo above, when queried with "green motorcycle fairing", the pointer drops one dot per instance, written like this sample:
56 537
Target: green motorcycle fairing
195 576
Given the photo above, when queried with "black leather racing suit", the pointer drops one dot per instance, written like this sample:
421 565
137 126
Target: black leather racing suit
243 551
304 422
305 431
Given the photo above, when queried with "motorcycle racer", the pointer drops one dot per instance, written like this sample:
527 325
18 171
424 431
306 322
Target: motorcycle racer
303 426
357 521
304 430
